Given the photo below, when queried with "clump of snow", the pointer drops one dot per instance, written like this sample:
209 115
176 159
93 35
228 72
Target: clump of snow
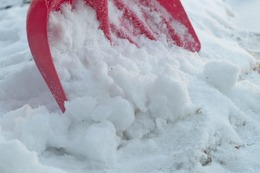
87 105
40 130
15 157
97 143
169 98
222 75
120 112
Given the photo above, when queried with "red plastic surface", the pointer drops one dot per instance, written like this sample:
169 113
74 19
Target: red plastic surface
37 19
37 33
176 10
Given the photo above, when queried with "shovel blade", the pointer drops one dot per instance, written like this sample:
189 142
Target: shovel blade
36 26
149 18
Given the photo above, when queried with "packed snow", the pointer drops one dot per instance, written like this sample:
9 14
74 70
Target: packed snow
156 108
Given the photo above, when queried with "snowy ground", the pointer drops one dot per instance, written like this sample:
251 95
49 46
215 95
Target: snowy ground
155 109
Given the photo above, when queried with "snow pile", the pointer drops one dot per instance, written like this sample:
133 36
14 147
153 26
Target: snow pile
150 109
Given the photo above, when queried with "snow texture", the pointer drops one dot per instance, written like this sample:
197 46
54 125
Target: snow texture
156 108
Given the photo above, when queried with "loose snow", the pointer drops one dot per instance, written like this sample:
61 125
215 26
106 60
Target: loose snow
157 108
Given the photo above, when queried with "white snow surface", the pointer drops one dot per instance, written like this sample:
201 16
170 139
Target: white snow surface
157 108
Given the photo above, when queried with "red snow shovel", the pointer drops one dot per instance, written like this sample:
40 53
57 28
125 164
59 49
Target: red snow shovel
148 18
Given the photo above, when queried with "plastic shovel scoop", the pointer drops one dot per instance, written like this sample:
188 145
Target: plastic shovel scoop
148 18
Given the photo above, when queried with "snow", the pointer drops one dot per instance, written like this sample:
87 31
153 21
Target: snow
156 108
222 75
15 158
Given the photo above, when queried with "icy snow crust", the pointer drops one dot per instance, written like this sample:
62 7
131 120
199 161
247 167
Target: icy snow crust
150 109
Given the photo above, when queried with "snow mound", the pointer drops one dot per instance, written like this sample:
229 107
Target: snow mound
150 109
118 83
